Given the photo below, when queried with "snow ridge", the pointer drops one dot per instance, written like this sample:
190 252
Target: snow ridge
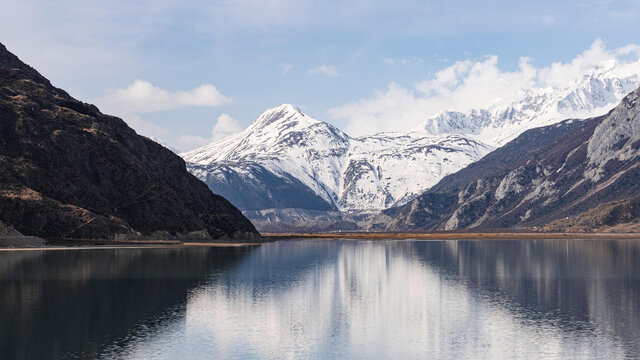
595 93
375 172
367 173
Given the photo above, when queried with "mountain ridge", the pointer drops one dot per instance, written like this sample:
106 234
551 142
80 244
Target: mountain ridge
592 94
69 171
332 171
580 166
348 174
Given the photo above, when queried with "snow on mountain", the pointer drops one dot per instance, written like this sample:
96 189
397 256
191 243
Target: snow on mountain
285 148
286 159
589 169
595 93
388 169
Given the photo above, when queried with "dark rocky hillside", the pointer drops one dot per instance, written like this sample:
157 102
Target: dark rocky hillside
4 229
67 170
545 174
614 216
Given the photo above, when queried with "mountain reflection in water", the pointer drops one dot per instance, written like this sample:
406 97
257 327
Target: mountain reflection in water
339 299
73 304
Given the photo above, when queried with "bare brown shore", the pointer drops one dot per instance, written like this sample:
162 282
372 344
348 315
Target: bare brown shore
110 245
268 237
453 235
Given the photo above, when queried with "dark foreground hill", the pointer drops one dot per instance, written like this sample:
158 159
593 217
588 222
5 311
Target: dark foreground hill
67 170
546 174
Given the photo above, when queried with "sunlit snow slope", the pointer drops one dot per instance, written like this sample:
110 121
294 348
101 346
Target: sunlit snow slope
595 93
286 159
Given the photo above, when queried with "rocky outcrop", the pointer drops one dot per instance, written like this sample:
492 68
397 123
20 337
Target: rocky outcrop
4 229
67 170
545 174
615 216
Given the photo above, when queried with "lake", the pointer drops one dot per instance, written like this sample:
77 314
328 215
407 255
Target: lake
301 299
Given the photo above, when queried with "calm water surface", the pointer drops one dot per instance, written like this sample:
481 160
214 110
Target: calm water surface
326 299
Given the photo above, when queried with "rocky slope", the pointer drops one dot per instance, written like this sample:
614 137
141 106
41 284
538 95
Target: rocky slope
4 229
67 170
545 174
615 216
286 159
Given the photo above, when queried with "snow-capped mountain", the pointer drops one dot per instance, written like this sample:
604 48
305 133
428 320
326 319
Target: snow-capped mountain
589 169
286 159
595 93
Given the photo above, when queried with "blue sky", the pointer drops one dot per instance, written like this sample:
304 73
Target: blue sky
176 69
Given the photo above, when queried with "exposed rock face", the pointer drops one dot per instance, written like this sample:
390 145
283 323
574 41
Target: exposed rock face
545 174
615 216
67 170
4 229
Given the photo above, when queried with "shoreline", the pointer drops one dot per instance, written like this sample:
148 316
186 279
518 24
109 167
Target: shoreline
438 236
270 237
126 246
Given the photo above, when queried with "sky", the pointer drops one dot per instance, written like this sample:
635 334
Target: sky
193 71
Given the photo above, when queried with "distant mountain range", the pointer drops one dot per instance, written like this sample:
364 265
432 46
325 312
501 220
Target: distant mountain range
595 93
575 175
288 168
286 159
69 171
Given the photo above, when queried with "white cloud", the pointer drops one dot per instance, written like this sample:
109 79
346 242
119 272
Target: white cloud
631 49
146 128
225 127
286 68
546 19
189 142
399 61
328 70
559 73
462 86
143 97
402 61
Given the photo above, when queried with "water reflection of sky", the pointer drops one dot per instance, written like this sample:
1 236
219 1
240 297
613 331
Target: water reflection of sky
456 300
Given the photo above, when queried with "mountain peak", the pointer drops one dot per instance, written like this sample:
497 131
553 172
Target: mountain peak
284 113
10 62
593 93
287 107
